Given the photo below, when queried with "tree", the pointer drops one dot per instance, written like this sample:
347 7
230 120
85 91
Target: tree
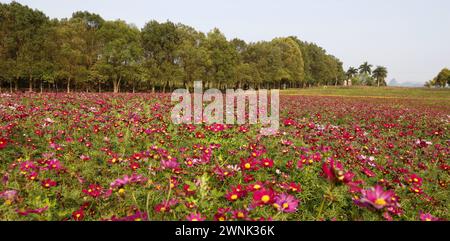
443 78
160 42
120 53
192 54
71 58
380 74
223 58
365 68
22 32
86 51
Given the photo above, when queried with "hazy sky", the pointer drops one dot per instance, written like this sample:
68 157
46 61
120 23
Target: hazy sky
410 37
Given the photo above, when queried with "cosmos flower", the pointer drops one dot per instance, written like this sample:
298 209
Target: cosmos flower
266 162
134 178
427 217
236 193
78 215
375 197
3 143
195 217
170 164
28 211
263 197
137 216
334 171
9 195
286 203
48 183
239 214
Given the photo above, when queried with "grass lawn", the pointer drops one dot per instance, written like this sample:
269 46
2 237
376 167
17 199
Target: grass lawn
381 92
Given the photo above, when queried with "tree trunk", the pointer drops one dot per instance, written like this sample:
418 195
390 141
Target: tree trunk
68 85
30 89
99 87
41 86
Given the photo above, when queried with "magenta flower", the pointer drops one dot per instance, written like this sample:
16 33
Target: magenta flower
134 178
170 163
375 197
195 217
9 195
286 203
137 216
334 171
35 211
427 217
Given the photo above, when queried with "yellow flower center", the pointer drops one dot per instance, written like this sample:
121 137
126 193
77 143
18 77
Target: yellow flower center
234 197
285 205
240 214
257 186
265 198
380 201
247 165
194 219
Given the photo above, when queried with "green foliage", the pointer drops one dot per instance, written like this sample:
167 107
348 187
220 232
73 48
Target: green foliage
85 52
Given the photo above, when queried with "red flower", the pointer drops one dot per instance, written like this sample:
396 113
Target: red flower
236 193
3 143
266 162
249 164
195 217
134 166
48 183
263 197
93 190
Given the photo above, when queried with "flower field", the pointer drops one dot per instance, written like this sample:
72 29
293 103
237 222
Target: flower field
119 157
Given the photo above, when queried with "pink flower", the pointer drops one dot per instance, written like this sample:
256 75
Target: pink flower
137 216
170 163
54 164
376 197
35 211
286 203
48 183
334 171
427 217
134 178
95 191
263 197
195 217
9 195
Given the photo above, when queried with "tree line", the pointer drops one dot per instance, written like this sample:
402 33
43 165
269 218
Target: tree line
441 80
87 53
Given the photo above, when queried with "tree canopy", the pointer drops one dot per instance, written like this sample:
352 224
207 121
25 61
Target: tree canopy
87 53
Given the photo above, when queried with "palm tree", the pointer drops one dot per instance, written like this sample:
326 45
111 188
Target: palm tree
365 68
350 73
380 73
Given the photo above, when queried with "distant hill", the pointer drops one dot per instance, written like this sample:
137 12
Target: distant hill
394 82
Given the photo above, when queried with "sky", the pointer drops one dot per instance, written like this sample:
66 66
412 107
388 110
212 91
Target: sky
409 37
